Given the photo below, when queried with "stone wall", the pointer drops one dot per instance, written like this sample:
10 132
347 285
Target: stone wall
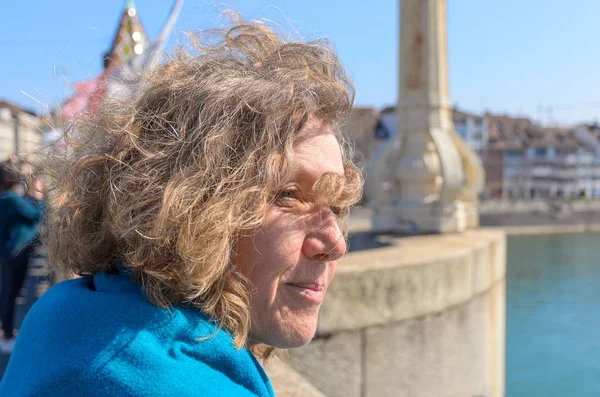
287 382
422 316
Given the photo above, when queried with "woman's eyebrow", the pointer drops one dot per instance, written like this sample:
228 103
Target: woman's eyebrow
329 187
313 173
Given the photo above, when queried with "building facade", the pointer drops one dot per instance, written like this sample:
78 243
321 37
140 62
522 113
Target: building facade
20 131
530 161
472 128
522 160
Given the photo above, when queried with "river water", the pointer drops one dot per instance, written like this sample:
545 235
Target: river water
553 316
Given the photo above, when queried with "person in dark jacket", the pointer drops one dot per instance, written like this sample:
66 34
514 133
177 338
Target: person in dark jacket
19 227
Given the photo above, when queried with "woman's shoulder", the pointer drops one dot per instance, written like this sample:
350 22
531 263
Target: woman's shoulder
104 309
104 330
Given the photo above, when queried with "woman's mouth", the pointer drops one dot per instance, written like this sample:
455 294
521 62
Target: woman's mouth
313 292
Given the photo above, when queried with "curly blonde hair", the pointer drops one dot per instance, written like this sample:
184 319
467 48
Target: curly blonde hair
163 184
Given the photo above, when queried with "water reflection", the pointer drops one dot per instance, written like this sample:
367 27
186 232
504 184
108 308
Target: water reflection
553 301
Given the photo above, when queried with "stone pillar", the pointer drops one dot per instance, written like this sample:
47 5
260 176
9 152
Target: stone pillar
474 180
429 178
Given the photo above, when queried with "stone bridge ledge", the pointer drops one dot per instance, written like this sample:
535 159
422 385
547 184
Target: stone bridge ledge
422 316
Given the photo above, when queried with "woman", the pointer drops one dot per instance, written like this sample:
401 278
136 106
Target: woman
19 229
204 219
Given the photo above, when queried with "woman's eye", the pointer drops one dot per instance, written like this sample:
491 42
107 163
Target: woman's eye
337 211
287 194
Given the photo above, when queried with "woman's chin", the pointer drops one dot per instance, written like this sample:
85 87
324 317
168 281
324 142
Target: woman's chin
298 340
294 341
289 336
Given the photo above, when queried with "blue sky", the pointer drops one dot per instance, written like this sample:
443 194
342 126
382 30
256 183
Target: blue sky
536 57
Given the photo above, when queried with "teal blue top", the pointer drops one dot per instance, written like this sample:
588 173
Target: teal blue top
19 222
100 336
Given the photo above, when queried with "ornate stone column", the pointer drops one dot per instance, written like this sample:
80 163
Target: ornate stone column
426 180
474 180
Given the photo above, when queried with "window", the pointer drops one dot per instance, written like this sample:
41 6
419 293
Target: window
540 151
512 154
461 130
381 132
460 120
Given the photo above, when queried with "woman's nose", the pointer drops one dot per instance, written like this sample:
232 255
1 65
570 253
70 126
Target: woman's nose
325 241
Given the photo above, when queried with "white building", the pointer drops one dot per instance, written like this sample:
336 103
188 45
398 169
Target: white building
472 128
540 162
20 131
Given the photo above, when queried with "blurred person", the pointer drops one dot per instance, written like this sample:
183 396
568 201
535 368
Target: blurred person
19 228
202 220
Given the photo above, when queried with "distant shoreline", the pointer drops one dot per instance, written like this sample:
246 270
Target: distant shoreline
360 221
528 230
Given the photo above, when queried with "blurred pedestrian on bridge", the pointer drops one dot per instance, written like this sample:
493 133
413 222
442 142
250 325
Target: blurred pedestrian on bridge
20 215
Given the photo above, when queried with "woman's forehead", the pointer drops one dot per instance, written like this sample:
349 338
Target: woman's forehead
317 152
313 128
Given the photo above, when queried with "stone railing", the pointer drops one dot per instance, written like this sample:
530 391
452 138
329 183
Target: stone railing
420 316
287 382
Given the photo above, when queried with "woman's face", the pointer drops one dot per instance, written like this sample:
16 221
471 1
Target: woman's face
290 260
